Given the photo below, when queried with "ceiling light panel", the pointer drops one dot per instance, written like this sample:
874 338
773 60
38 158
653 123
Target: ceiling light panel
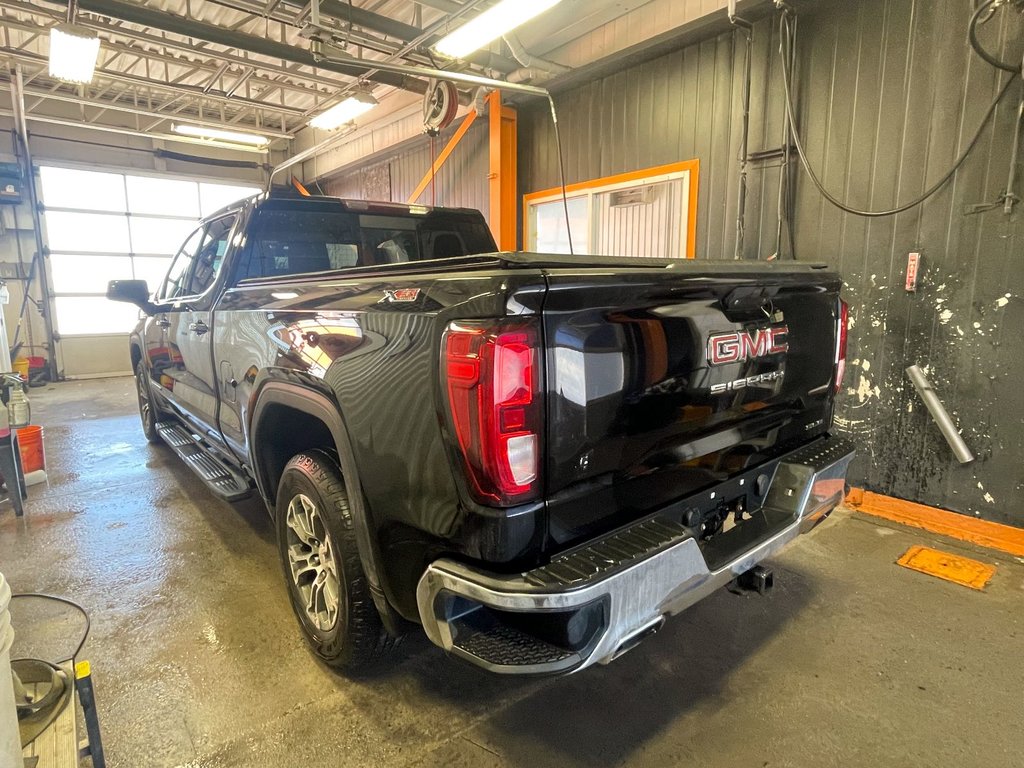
236 137
73 52
496 21
344 112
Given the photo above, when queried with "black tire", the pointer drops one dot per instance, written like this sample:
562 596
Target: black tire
356 637
149 413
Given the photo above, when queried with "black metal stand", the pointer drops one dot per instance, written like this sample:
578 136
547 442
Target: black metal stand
87 698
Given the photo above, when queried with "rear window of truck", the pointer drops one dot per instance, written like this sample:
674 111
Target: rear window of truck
284 242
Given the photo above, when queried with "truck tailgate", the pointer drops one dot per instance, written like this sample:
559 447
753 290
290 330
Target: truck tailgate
663 380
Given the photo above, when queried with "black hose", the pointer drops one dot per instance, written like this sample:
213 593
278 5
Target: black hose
785 31
972 38
561 176
65 601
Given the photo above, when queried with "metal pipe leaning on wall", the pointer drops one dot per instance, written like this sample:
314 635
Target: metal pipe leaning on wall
939 414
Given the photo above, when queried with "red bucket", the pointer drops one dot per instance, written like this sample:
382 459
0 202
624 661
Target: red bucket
30 443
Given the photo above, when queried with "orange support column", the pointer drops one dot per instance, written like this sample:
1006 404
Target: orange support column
503 134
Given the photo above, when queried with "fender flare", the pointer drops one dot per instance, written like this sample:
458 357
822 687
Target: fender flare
321 407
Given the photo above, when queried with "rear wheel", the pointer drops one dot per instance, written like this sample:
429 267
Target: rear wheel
147 408
328 589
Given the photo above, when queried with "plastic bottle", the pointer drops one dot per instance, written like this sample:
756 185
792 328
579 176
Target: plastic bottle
19 408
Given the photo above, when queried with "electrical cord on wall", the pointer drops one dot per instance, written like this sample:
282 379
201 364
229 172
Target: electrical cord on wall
785 49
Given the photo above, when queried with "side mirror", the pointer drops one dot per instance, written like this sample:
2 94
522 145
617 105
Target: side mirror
133 292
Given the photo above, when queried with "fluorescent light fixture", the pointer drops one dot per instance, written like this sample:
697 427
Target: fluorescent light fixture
73 52
496 21
236 137
344 112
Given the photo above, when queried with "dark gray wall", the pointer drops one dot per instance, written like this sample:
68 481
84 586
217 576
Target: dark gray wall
889 93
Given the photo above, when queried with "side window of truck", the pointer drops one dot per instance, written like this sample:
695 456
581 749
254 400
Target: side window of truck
208 259
174 284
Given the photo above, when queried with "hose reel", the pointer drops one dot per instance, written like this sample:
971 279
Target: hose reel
440 105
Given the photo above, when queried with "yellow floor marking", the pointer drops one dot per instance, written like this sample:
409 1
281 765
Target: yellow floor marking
959 570
982 532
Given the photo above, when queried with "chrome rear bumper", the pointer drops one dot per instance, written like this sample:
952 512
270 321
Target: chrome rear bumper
598 601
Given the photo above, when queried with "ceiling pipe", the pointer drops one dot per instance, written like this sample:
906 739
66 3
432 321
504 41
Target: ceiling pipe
528 75
430 33
329 53
179 25
528 60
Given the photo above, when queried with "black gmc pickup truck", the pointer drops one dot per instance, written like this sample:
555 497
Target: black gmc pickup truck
538 458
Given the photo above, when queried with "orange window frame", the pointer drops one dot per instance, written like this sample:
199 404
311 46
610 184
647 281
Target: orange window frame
692 167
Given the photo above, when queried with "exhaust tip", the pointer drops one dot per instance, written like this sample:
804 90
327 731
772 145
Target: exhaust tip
637 637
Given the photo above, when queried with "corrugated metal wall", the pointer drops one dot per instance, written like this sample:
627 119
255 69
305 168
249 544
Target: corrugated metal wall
461 181
889 93
906 96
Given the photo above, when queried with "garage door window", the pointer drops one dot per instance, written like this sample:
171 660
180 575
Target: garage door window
105 226
645 213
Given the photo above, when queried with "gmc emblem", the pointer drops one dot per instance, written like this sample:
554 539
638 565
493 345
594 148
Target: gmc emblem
737 346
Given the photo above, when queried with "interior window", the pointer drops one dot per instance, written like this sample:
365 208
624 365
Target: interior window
174 284
208 260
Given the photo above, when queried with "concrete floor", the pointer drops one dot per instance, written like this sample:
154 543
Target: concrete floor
198 662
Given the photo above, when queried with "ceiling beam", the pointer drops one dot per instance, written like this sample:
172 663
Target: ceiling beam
445 6
184 47
179 25
132 110
258 12
360 17
130 132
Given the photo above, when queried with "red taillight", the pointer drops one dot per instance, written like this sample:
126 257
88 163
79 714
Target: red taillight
492 378
841 335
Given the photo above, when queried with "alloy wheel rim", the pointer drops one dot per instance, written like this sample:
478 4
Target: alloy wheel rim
144 407
312 562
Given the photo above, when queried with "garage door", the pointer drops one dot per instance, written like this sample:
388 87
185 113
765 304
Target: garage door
103 226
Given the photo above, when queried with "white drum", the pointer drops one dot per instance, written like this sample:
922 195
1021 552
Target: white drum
10 740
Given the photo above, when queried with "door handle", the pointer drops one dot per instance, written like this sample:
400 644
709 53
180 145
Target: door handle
198 327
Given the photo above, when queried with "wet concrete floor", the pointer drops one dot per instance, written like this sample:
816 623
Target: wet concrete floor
198 662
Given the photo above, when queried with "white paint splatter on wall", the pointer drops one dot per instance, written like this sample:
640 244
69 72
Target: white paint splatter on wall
865 391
